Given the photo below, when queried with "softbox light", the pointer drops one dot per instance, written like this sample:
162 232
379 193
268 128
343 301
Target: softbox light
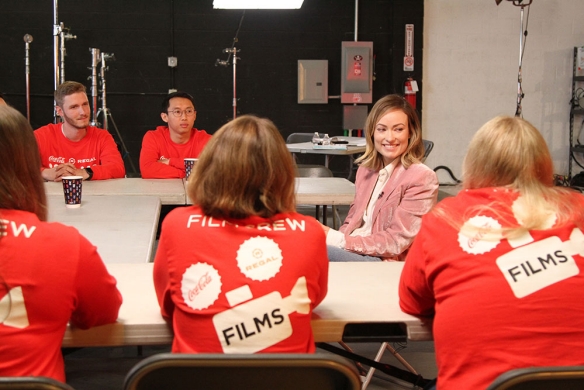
257 4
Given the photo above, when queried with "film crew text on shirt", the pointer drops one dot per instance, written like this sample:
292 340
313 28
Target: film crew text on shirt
277 225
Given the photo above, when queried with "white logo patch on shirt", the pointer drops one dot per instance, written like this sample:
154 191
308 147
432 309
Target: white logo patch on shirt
200 286
13 310
540 264
262 322
259 258
485 236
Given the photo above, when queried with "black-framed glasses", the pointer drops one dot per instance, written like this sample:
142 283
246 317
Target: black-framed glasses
178 113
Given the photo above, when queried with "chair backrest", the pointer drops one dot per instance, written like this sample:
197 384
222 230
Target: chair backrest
541 378
260 371
296 138
32 383
428 146
313 171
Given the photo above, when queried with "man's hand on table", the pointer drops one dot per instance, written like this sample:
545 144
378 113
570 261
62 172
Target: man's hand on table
57 172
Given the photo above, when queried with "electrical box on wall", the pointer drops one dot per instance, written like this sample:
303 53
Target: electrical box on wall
357 72
312 81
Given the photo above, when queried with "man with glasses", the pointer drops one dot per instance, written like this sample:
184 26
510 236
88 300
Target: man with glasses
164 149
73 147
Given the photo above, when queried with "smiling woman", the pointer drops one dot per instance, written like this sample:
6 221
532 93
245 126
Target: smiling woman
393 188
391 135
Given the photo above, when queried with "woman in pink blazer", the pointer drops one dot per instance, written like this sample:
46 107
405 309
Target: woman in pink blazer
393 188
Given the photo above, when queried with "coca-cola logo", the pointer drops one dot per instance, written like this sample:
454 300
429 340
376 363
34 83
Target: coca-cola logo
200 286
59 160
479 236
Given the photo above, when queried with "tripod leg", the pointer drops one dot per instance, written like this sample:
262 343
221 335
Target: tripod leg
106 114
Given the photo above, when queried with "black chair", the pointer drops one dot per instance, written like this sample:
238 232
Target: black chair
296 138
541 378
428 146
261 371
32 383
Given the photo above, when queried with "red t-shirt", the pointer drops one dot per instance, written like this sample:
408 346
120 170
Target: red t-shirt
54 276
498 304
96 150
240 286
157 144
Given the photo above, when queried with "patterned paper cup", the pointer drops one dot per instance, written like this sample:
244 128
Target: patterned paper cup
72 190
189 165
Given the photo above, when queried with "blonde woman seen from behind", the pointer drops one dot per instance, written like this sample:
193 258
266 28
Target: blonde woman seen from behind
500 265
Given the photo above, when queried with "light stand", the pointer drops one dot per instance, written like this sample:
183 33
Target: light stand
60 34
94 90
233 52
522 37
27 41
105 111
56 32
64 35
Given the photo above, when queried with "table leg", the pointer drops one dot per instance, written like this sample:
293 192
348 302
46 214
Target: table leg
350 167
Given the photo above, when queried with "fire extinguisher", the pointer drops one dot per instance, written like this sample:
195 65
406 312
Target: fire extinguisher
410 89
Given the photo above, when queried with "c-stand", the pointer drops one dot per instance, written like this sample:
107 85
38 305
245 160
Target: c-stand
104 111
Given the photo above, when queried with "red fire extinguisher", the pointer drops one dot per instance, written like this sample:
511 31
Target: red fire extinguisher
410 89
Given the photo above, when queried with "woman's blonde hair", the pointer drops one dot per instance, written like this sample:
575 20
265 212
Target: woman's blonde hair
21 183
510 152
245 169
415 150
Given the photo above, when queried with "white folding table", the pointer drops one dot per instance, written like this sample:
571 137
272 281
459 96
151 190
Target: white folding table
355 146
361 298
170 191
321 191
123 228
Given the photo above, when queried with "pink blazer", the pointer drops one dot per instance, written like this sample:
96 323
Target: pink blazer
406 197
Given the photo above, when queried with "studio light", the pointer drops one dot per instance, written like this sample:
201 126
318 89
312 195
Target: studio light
257 4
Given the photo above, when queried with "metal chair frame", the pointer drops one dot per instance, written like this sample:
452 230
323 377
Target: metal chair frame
540 378
32 383
259 371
